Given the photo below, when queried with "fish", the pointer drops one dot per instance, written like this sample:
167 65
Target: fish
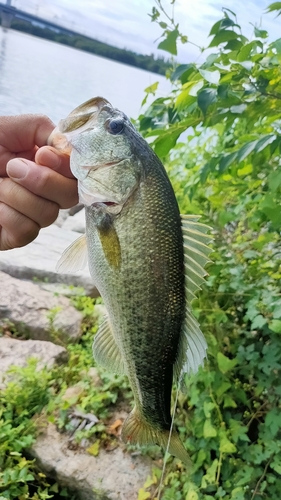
145 258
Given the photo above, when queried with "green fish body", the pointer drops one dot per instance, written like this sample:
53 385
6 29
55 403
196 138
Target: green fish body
145 259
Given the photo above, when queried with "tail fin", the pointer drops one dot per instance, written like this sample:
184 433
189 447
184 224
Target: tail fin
136 430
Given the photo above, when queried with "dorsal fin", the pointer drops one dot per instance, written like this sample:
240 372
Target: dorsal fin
193 346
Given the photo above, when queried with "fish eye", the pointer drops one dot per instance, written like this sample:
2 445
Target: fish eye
116 126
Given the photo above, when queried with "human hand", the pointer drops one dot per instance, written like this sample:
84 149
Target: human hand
35 180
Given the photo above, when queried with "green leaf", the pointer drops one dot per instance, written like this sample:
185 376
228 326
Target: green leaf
180 70
225 10
223 387
191 495
274 6
246 150
245 51
152 88
226 161
208 407
271 209
274 180
166 141
29 477
233 45
263 142
228 402
215 28
94 448
275 465
205 98
170 42
276 45
209 430
258 322
226 446
210 76
222 37
275 325
272 421
225 364
143 495
260 33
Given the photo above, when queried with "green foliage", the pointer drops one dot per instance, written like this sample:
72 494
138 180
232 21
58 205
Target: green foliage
33 397
219 135
20 403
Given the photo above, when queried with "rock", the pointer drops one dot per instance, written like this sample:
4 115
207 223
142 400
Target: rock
94 376
39 259
76 208
76 222
63 214
17 352
73 393
61 289
37 313
112 475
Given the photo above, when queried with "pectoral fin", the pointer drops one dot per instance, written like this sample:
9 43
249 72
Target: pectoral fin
110 242
106 351
74 258
193 346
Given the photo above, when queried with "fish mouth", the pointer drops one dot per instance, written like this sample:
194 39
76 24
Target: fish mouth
110 203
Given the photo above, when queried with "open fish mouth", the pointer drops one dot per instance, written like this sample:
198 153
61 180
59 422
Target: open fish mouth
89 198
110 203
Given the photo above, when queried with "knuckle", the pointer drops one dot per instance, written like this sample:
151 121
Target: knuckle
19 230
49 214
8 189
43 180
24 237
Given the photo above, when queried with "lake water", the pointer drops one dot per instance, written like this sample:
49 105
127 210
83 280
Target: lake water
39 76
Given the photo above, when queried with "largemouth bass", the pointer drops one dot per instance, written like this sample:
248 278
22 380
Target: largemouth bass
146 260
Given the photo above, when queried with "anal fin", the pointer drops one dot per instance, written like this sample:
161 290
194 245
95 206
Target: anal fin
106 351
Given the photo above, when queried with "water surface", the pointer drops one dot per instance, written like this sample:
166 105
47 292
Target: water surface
40 76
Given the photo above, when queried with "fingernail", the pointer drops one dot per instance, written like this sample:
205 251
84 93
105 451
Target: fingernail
17 168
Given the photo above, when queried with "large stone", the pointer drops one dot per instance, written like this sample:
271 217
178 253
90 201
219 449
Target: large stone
64 213
37 313
39 259
112 475
17 352
76 222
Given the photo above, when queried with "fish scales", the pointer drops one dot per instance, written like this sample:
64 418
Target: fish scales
146 260
145 296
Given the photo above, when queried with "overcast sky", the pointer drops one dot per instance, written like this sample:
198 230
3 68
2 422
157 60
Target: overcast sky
126 24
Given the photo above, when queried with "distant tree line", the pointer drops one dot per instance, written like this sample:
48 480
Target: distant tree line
147 62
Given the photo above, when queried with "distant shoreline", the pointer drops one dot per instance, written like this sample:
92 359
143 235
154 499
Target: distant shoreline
148 63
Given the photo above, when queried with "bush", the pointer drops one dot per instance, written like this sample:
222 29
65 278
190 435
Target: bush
219 135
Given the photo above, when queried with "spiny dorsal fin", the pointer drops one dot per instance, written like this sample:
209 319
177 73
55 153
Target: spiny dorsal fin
193 346
106 351
75 257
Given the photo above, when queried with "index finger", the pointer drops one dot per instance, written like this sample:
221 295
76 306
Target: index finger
23 132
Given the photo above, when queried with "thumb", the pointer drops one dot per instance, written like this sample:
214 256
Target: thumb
50 157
